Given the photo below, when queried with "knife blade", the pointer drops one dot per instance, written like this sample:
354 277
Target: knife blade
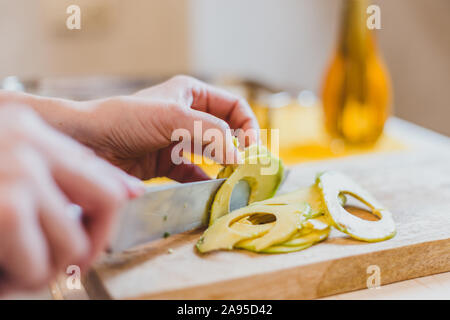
172 209
165 210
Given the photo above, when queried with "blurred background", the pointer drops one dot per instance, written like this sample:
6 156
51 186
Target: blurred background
284 45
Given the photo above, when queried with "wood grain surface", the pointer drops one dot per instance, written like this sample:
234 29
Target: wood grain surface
414 184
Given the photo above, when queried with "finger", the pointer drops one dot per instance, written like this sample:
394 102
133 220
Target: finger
205 129
226 106
184 172
24 255
65 235
100 194
92 183
187 172
133 186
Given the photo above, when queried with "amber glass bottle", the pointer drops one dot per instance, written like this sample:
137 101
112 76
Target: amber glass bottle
356 88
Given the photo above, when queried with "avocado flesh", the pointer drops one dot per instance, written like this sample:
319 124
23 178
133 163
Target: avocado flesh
225 172
252 151
245 227
261 186
224 234
310 195
286 249
311 232
331 185
293 216
313 237
255 150
297 220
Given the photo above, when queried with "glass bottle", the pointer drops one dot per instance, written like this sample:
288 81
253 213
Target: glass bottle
356 88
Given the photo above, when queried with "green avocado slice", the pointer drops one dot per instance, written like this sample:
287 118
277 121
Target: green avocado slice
286 249
332 184
312 237
280 232
262 186
310 195
312 232
223 235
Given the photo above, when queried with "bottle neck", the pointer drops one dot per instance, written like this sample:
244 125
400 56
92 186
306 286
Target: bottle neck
355 38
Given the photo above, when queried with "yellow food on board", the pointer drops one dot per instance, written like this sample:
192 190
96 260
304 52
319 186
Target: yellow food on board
297 220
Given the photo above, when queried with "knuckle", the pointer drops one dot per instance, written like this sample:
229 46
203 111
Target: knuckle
84 154
111 191
113 196
223 125
28 163
17 110
119 100
19 118
177 113
79 250
181 78
12 132
75 248
9 215
242 102
177 110
117 195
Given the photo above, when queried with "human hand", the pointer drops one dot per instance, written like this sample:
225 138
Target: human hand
41 173
134 132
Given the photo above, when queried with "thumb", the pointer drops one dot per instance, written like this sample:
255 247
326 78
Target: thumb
209 135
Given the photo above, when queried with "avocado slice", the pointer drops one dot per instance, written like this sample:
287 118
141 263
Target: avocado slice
310 195
311 232
252 151
312 237
289 222
223 234
331 185
319 223
280 231
262 186
286 249
248 227
225 172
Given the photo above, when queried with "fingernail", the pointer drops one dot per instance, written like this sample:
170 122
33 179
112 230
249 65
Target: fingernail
135 187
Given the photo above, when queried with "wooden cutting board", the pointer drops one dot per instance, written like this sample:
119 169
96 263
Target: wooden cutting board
414 184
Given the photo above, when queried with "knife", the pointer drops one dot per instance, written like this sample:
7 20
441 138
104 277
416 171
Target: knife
170 209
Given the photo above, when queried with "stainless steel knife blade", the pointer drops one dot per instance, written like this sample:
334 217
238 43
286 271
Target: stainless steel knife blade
171 209
164 210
